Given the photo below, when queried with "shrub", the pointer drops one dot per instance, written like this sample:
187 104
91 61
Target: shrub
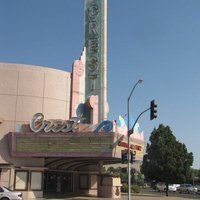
124 187
134 188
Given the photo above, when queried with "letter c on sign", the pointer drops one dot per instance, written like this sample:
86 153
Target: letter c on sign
37 122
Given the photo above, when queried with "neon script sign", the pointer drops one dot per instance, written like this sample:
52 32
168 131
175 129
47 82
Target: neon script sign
38 124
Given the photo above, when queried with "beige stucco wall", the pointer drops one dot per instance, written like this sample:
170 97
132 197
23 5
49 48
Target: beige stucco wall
24 91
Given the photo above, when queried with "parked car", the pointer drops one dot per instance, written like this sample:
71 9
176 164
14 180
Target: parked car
162 187
198 189
187 188
172 188
7 194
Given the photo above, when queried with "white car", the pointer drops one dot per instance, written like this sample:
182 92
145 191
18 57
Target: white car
172 188
187 188
162 187
7 194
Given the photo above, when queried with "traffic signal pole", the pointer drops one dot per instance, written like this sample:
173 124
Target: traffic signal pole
129 167
132 129
129 155
153 109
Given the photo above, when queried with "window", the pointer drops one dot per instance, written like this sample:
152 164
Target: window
21 180
83 181
36 180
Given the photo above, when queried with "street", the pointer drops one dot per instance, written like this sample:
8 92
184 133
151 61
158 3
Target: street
148 195
152 194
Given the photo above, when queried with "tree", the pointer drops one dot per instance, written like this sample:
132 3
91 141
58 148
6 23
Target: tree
166 160
195 176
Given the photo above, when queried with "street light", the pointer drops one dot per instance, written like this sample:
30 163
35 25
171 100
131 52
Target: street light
128 126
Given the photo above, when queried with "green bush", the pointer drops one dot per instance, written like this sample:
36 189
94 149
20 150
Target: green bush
134 188
124 187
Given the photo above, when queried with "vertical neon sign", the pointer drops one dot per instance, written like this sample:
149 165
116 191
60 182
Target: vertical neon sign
95 83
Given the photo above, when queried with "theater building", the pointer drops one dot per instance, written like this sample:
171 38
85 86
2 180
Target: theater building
55 137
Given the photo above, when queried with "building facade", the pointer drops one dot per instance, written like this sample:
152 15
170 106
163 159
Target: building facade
43 149
54 135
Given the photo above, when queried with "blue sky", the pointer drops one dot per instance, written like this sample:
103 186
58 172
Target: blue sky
157 41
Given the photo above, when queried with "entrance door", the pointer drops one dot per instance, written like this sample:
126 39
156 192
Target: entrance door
67 182
57 182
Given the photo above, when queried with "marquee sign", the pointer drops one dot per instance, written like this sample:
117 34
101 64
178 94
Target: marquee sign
60 144
69 138
64 138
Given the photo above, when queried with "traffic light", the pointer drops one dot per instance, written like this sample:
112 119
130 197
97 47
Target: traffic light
153 110
124 157
133 154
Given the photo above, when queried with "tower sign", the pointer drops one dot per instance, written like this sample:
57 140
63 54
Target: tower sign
95 43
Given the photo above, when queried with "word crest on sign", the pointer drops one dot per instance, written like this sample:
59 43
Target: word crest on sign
38 124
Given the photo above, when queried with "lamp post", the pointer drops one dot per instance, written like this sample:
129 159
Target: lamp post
128 135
